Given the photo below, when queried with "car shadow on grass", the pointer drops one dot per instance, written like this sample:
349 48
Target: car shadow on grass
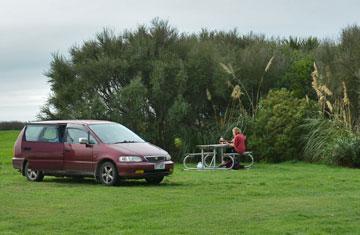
143 183
70 181
92 182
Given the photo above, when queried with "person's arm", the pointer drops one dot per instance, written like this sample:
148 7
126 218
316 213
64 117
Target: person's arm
231 143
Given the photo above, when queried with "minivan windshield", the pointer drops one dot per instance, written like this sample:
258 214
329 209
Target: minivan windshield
115 133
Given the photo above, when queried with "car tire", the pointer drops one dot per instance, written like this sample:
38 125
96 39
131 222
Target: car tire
108 174
33 175
154 179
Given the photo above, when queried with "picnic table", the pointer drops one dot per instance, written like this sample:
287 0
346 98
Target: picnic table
208 155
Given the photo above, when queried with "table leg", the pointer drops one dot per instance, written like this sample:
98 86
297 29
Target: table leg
214 157
202 158
222 155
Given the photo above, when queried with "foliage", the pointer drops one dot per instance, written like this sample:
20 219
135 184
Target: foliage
339 63
297 77
346 151
334 106
158 82
331 141
331 137
302 44
276 135
173 87
12 125
320 136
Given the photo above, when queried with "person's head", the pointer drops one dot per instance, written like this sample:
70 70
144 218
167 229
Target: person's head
235 131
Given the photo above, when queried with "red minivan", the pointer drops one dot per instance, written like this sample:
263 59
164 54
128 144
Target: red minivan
105 150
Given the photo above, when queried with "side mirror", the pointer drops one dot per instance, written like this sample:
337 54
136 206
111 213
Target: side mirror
83 141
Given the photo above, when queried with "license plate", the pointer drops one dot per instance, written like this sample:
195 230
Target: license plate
159 166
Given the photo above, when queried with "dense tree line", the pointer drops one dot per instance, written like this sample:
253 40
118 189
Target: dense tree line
178 89
12 125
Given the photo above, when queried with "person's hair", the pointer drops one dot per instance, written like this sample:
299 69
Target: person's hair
236 130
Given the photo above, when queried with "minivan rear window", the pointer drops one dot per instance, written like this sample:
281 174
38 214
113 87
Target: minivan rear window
42 133
32 133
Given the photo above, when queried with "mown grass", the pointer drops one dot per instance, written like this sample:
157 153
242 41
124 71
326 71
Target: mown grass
289 198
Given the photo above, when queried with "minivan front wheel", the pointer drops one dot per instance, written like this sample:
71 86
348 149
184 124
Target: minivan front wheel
108 174
33 175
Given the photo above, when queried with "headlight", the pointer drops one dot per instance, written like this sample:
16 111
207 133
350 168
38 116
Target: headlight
168 157
130 159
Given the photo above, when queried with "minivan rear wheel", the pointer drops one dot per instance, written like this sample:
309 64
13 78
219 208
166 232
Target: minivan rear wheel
33 175
108 174
154 179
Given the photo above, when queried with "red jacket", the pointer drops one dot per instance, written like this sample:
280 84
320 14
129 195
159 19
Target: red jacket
239 143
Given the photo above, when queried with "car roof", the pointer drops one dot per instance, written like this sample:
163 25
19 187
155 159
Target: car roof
81 122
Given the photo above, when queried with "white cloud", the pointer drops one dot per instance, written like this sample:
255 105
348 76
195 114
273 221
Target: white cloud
33 97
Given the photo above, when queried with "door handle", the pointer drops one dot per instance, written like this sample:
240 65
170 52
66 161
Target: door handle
27 148
67 150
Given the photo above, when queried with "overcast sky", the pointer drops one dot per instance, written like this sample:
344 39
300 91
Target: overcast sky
31 30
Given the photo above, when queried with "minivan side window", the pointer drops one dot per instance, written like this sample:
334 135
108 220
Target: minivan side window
73 135
40 133
50 134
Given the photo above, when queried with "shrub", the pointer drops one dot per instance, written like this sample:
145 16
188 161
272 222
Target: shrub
319 135
346 152
331 141
276 135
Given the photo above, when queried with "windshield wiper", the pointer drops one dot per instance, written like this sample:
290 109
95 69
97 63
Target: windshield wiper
125 141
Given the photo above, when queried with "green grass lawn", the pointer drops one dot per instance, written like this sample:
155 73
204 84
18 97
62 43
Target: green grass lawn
289 198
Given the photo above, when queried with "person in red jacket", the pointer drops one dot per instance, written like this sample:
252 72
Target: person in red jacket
238 142
238 145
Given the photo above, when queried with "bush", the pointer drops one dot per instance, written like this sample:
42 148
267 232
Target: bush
320 135
346 152
330 141
276 135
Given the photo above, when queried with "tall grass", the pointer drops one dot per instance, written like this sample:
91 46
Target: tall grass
240 89
335 106
331 137
320 137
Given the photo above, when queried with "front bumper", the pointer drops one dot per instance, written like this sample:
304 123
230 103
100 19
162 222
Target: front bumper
136 170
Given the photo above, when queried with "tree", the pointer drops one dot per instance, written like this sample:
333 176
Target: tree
276 134
167 85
